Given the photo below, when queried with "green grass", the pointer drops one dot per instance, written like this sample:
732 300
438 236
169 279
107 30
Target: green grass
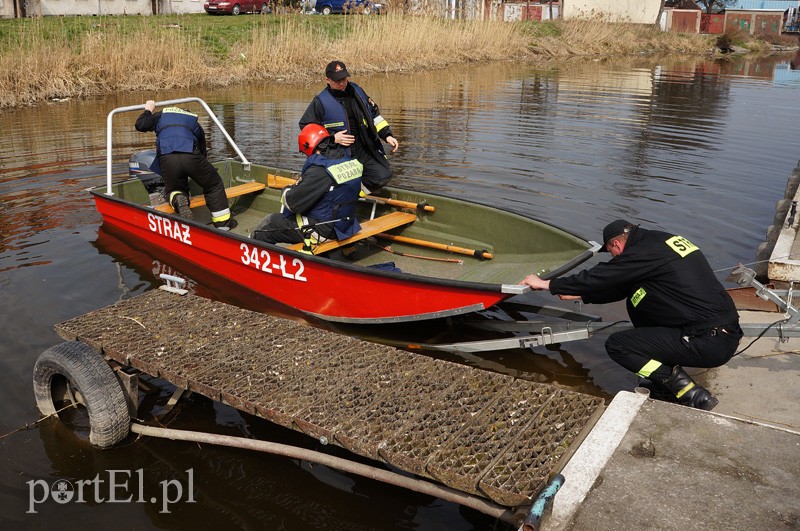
220 35
536 29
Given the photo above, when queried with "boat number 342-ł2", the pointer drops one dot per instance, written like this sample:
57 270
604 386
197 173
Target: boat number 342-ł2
263 260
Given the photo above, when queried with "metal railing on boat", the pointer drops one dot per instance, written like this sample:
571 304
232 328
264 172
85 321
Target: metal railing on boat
110 127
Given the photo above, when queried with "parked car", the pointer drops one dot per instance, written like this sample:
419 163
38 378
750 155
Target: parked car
326 7
234 7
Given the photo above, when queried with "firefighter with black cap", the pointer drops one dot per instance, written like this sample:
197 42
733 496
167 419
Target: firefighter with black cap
682 315
354 121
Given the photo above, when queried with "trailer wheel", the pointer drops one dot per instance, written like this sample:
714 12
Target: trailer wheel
73 371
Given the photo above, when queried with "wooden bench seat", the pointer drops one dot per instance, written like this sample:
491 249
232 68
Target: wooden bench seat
368 228
233 191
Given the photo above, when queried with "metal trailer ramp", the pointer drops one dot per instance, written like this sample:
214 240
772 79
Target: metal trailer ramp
480 432
576 326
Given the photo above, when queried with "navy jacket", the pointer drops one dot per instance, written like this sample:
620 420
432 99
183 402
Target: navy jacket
328 189
177 130
351 110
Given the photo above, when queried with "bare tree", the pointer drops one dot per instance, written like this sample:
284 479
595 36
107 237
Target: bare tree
713 6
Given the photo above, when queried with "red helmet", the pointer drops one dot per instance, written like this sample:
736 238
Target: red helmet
310 137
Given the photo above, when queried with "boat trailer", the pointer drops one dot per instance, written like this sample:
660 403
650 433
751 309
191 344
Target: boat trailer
481 439
574 326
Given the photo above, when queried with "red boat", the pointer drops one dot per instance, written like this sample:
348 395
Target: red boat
449 256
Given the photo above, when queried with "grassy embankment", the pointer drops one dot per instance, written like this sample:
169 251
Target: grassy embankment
57 57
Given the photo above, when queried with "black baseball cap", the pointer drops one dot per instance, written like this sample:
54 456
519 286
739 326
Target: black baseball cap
336 71
614 229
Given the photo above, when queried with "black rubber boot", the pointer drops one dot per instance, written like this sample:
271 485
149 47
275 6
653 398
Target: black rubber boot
228 224
180 202
688 392
657 390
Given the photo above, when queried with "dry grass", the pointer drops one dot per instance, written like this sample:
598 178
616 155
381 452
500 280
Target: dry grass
378 44
97 62
155 57
598 38
70 57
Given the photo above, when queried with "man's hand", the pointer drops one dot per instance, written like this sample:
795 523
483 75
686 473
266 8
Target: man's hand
392 141
343 138
535 282
150 106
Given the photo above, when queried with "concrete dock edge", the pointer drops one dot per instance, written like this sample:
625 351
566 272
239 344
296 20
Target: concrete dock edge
591 457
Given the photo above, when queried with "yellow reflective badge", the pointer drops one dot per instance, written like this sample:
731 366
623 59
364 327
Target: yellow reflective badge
681 245
637 297
346 171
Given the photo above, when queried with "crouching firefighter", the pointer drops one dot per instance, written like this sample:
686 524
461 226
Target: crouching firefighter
321 205
180 155
682 315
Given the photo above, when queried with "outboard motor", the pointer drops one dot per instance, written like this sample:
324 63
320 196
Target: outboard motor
140 166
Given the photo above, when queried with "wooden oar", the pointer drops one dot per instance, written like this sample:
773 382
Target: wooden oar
277 181
484 255
401 204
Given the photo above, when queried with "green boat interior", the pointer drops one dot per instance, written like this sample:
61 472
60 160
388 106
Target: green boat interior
493 246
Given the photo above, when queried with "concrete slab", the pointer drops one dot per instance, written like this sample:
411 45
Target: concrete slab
681 468
762 383
737 467
594 453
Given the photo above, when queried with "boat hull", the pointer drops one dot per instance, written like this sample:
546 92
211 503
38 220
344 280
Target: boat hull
329 290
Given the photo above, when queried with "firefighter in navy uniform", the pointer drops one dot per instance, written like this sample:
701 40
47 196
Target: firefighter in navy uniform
321 205
355 122
181 154
682 315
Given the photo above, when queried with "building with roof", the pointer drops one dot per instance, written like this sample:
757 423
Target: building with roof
38 8
761 18
681 16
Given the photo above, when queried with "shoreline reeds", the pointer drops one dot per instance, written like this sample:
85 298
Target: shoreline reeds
50 58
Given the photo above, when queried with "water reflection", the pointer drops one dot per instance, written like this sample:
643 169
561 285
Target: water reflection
695 147
670 144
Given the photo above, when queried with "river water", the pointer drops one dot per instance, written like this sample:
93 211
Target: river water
703 149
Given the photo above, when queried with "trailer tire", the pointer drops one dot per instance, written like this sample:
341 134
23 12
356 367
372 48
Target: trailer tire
75 366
